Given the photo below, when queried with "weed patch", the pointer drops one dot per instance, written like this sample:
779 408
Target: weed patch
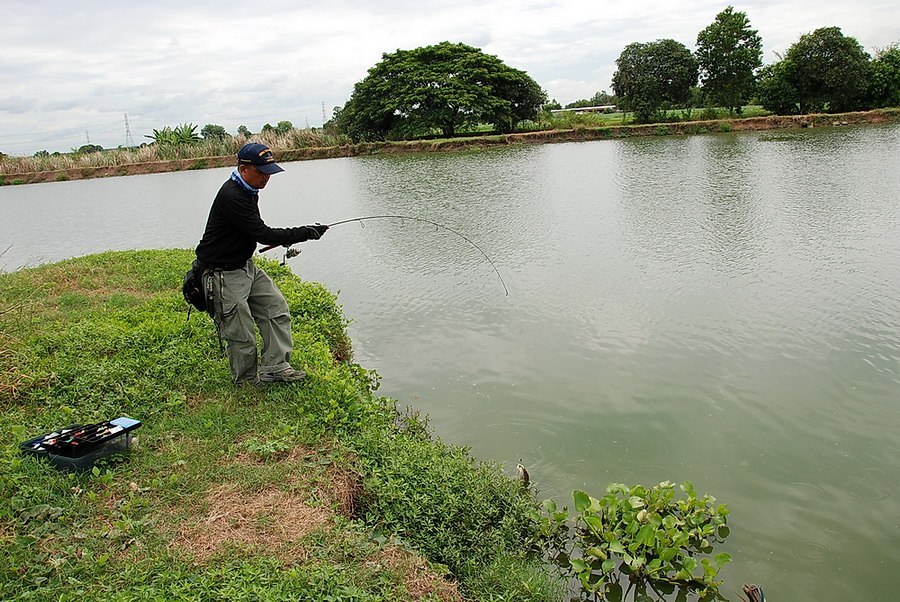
270 522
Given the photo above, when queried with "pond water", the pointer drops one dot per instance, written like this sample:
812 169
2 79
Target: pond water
723 309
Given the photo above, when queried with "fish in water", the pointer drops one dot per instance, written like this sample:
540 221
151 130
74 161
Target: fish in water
523 475
754 593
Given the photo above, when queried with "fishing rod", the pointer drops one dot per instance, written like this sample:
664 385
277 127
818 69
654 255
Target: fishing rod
416 219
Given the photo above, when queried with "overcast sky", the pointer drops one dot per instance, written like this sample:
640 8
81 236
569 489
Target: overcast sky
71 71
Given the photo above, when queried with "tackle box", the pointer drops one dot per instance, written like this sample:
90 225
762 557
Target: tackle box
77 447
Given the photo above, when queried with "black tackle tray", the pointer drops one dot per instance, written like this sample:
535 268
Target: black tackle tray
78 447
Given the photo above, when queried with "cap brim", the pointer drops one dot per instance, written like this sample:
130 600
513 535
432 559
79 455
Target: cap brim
269 168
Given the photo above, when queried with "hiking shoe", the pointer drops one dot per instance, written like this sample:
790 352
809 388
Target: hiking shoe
288 375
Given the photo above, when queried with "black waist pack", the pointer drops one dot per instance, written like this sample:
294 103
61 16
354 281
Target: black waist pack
192 289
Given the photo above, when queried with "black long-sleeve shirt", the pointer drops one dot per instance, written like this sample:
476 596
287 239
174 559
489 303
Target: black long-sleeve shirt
234 227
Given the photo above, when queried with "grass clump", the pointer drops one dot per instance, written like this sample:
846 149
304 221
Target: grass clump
312 492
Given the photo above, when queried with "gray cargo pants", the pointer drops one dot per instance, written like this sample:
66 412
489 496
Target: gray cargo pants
242 297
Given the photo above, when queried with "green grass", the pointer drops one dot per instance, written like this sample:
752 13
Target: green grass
321 491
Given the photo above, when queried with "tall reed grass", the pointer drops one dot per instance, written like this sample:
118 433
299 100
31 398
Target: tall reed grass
150 153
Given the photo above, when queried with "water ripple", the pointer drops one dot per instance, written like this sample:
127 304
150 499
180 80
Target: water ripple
811 552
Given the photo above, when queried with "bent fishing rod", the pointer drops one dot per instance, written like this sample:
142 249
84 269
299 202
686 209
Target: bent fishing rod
415 219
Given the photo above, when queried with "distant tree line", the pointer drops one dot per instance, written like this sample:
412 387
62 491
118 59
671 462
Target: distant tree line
183 134
599 99
449 88
186 133
824 71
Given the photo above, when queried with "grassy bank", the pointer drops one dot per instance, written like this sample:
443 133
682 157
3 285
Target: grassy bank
322 491
573 129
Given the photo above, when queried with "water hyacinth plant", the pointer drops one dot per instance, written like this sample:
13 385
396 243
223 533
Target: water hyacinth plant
645 534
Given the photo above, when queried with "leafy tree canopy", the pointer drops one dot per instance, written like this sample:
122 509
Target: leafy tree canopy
729 54
652 75
552 105
775 92
283 127
89 148
599 99
213 132
829 71
885 83
445 87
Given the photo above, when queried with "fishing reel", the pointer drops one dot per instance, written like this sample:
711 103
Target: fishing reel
289 253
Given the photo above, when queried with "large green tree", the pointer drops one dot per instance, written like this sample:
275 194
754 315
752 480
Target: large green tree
829 71
729 54
775 91
652 75
445 88
885 82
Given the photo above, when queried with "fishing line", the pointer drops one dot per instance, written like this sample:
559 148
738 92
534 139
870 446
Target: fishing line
416 219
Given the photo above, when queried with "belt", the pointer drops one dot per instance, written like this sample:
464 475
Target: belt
222 267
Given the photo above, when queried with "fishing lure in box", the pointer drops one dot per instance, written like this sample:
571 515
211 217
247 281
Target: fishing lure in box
78 447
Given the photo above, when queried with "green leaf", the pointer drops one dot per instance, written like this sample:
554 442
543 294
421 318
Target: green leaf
722 559
579 565
646 536
596 552
635 563
668 554
690 564
582 500
636 502
593 521
617 547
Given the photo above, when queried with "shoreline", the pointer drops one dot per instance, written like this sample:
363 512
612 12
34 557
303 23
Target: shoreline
577 134
274 483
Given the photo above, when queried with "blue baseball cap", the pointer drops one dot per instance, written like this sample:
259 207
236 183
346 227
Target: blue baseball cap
259 156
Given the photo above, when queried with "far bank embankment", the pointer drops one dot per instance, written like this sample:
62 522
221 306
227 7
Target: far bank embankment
578 134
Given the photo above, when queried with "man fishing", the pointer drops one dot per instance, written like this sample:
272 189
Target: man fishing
241 293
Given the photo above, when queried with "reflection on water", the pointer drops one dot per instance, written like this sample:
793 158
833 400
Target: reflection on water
723 309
